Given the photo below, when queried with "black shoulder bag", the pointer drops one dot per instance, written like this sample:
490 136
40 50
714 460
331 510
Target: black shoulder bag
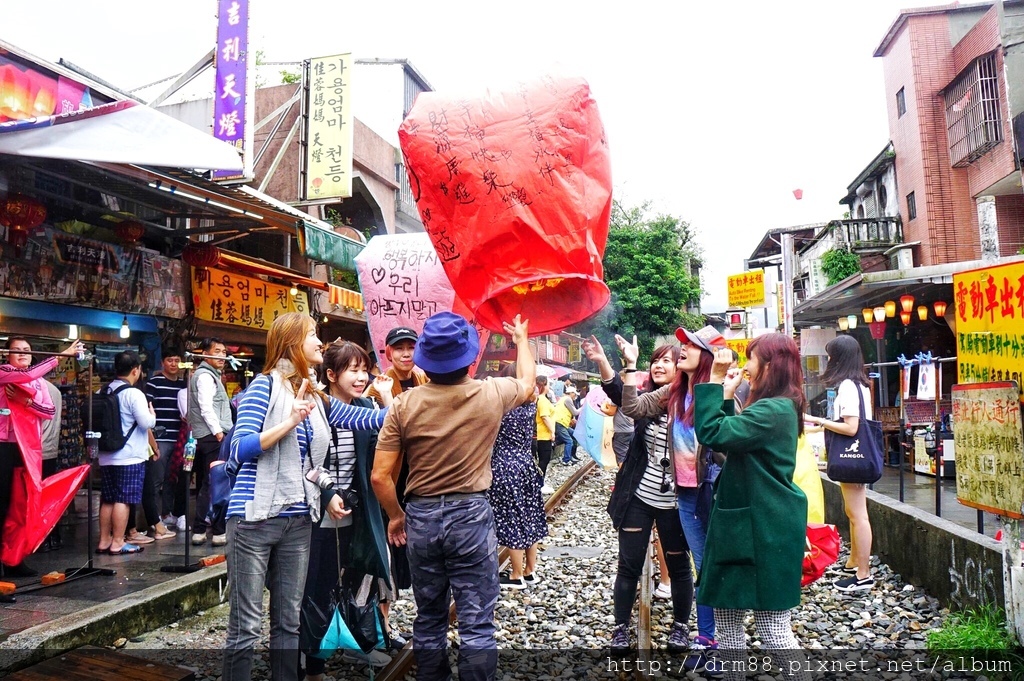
855 458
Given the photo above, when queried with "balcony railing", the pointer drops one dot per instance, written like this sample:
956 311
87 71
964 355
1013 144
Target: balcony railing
867 234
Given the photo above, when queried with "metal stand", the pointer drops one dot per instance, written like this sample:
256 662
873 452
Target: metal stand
186 470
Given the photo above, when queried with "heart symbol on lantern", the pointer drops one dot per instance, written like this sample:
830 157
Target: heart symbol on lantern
317 181
378 274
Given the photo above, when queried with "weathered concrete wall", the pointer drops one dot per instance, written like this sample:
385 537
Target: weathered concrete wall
960 567
128 616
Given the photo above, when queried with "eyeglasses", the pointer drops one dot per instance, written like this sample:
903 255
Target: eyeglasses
666 483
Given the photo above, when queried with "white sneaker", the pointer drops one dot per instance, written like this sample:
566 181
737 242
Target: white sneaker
198 539
547 489
169 520
663 592
375 658
180 523
219 540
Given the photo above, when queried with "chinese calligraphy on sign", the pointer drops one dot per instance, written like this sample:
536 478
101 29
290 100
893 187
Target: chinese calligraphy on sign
328 140
227 298
232 102
740 346
747 289
989 308
989 447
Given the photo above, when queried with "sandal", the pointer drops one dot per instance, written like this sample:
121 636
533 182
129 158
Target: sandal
166 534
139 539
102 552
125 550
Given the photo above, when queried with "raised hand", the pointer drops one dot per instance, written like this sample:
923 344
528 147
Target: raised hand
384 384
73 349
301 407
630 351
518 329
594 351
720 367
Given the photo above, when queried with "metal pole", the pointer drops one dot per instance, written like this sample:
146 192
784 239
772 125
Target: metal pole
938 442
903 435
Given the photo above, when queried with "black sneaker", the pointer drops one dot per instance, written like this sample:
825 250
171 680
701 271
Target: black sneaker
532 579
704 659
506 582
620 639
850 584
398 641
19 570
678 638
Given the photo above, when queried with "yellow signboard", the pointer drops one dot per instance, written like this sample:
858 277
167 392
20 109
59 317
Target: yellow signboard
328 152
740 346
989 307
227 298
989 447
747 289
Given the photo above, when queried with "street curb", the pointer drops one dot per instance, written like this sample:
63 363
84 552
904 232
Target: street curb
127 616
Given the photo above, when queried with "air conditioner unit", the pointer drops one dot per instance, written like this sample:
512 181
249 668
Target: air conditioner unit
903 259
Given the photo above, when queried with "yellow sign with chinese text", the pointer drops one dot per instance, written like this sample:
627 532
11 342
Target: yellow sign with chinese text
227 298
989 447
328 150
989 307
747 289
740 346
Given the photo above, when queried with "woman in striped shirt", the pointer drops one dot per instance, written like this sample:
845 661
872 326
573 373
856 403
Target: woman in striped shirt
644 494
281 434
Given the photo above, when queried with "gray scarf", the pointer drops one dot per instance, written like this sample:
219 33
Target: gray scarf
280 471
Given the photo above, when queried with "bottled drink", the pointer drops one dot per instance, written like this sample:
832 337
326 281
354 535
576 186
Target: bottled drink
190 453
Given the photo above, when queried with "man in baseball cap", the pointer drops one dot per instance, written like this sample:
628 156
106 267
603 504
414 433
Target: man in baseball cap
400 345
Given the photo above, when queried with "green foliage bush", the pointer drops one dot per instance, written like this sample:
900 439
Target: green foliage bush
838 264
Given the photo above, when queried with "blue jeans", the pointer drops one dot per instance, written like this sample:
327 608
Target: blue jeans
696 534
564 436
275 553
453 551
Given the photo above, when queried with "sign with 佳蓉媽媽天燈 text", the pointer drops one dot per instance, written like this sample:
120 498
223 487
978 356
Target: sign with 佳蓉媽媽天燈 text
989 447
989 307
747 289
227 298
327 159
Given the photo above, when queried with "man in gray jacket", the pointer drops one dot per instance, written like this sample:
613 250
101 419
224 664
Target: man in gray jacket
209 415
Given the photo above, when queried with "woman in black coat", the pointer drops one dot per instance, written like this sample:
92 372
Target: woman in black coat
644 495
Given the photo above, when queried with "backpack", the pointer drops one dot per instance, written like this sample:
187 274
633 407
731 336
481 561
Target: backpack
106 419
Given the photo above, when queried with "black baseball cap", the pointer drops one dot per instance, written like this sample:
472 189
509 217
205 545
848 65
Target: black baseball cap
401 333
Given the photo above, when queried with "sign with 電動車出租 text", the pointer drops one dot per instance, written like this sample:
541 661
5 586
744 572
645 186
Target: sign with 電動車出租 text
747 289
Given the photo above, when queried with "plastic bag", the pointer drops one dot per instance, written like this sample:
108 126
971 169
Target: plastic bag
807 478
514 189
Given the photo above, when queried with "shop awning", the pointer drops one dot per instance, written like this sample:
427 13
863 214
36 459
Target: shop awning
872 289
118 132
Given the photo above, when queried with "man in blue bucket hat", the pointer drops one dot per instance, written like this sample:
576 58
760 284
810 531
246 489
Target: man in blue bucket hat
445 430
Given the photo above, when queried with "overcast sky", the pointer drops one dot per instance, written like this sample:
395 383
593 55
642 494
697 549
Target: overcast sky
715 112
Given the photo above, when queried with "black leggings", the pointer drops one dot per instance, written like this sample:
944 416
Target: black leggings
634 538
10 458
543 450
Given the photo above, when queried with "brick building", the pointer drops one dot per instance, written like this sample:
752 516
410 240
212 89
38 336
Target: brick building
947 96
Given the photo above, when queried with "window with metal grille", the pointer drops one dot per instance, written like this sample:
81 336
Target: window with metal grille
901 103
973 123
911 206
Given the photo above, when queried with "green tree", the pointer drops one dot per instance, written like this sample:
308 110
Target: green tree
838 264
646 266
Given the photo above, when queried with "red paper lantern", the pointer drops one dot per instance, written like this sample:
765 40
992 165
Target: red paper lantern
20 215
200 255
905 318
514 189
130 231
907 302
940 308
877 330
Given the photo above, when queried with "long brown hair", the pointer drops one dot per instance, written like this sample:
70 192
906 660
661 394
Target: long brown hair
284 341
681 387
780 374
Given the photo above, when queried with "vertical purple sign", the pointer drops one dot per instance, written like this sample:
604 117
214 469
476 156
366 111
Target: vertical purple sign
230 97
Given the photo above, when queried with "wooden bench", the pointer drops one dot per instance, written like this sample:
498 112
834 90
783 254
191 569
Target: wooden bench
99 664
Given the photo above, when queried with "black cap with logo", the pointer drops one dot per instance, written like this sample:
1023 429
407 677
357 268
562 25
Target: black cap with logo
401 333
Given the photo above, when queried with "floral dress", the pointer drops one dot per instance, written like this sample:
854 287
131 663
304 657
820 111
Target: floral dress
519 518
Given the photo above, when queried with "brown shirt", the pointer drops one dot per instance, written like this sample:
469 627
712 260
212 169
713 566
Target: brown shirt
446 433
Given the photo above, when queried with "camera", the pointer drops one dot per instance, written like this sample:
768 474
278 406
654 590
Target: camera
321 478
350 498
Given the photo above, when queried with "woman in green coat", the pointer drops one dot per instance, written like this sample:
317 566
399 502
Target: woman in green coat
755 542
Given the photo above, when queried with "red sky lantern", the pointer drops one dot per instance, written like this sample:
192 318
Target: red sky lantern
798 193
20 214
130 231
514 189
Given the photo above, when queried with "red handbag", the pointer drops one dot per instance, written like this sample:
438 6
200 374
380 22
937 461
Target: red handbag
822 549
